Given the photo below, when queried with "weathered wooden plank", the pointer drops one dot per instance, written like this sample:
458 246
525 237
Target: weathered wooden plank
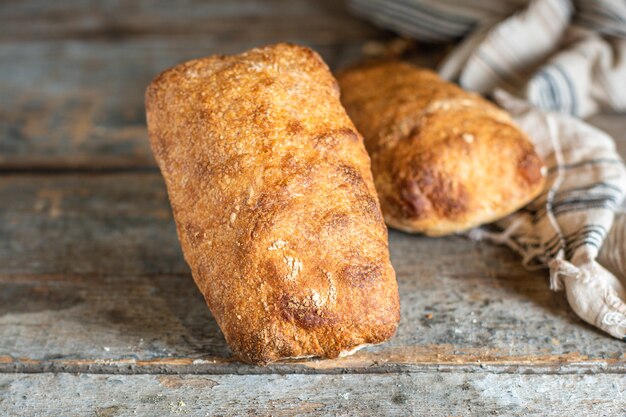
80 104
256 21
73 74
92 279
452 394
72 79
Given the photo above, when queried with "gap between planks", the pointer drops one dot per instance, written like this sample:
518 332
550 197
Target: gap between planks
568 364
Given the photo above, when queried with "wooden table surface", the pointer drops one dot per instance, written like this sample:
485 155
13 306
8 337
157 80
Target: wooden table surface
99 315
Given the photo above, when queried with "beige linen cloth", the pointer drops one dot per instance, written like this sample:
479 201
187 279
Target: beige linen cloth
571 227
546 61
563 55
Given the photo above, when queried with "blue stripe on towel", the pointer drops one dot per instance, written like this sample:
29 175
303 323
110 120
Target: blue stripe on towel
570 86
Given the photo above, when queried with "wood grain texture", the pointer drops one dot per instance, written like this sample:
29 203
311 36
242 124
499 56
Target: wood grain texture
79 103
92 279
452 394
117 20
72 78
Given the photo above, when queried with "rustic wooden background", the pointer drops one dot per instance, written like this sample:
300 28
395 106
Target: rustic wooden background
98 313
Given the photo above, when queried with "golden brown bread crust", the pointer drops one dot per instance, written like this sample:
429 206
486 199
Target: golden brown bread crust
274 203
444 160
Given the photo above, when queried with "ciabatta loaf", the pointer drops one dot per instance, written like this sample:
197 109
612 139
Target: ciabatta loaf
274 203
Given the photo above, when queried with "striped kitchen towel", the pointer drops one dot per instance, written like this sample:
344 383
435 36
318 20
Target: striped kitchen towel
571 226
561 55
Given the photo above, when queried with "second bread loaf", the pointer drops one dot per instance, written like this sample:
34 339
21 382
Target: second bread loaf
444 160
